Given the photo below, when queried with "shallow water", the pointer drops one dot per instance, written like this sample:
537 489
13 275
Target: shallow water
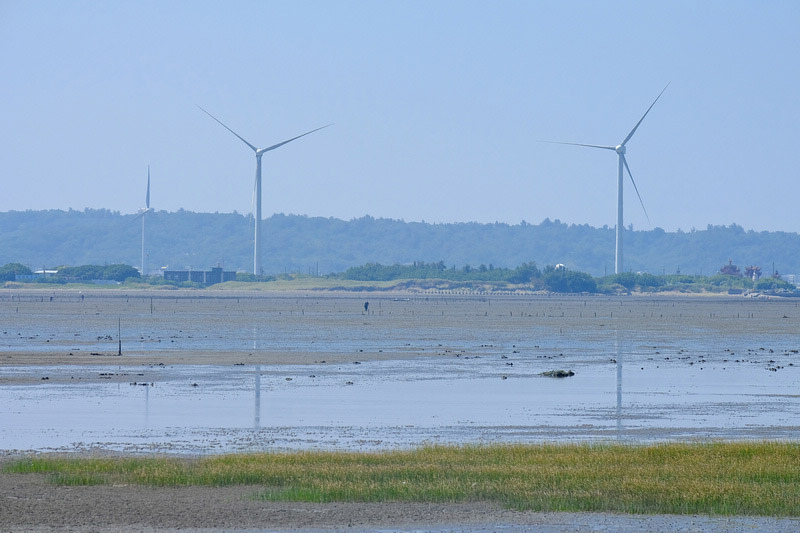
466 370
391 404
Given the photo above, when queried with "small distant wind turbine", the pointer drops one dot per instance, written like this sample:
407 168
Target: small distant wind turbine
620 150
141 214
257 189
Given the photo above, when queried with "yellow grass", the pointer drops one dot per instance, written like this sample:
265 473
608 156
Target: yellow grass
720 478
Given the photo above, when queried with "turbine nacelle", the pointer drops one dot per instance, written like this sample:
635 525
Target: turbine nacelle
620 149
142 212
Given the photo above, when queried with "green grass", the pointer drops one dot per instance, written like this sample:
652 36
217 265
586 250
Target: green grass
716 479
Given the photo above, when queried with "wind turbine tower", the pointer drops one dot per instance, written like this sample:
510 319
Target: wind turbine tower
142 214
257 189
620 149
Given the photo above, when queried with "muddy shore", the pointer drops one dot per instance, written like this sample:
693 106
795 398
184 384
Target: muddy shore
30 503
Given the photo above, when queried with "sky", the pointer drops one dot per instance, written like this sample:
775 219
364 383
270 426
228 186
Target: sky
439 108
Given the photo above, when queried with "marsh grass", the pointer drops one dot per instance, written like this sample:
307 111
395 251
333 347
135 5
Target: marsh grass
719 478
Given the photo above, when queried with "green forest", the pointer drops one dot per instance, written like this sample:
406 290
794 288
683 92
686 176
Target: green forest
316 245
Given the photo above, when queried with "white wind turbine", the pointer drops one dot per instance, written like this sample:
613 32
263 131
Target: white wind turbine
620 150
142 213
257 190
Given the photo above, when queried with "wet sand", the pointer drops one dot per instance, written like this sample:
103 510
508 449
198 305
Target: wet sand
65 327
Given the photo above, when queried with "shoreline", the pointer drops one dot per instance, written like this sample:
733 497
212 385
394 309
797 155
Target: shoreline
363 289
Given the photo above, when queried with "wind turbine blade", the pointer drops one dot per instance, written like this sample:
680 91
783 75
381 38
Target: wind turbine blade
628 138
147 198
290 140
227 128
635 188
578 144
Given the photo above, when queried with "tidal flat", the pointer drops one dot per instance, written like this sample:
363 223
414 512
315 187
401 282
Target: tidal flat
210 372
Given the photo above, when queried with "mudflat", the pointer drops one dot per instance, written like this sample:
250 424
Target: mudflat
65 327
319 370
30 503
215 372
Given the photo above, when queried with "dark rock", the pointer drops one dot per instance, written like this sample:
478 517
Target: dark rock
558 373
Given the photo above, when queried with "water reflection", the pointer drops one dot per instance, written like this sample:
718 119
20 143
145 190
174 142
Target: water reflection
257 409
618 352
147 407
257 385
394 404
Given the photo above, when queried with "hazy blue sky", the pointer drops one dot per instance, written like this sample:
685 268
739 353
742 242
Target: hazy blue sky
437 106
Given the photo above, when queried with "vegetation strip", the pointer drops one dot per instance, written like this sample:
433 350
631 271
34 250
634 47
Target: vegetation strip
760 478
417 276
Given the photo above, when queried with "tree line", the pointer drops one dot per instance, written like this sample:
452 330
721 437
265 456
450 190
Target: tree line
301 244
563 280
119 272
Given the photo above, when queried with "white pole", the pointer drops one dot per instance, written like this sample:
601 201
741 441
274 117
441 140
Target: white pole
257 239
618 259
143 217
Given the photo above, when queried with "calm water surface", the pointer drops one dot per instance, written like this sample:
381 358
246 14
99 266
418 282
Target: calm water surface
467 370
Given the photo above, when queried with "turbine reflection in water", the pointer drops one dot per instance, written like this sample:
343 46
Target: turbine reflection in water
257 385
147 407
618 352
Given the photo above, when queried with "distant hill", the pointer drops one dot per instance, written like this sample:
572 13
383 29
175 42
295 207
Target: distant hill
294 243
